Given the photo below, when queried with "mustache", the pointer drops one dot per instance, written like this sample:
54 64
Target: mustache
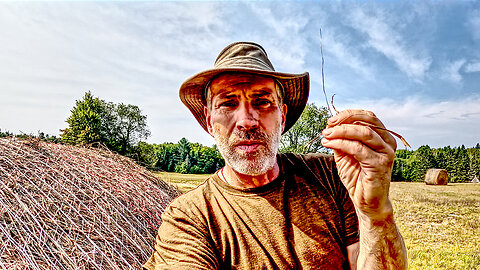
252 134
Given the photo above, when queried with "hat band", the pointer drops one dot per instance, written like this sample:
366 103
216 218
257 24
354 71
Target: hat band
244 62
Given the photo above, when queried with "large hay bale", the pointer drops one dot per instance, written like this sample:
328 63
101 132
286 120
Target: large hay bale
66 207
436 177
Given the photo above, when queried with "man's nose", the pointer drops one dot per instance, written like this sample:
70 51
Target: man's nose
247 117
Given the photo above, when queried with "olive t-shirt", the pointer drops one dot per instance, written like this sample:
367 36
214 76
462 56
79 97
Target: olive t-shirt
304 219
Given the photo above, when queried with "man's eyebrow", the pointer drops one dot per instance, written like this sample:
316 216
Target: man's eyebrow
256 93
262 92
226 94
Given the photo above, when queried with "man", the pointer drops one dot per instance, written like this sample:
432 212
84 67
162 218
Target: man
269 211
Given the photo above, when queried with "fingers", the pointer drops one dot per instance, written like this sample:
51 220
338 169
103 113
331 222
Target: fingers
356 133
350 116
361 152
364 135
361 118
384 133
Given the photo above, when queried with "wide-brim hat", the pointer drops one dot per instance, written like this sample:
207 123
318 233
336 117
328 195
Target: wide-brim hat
246 57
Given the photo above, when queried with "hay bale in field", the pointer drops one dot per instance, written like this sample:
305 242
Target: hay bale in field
66 207
436 177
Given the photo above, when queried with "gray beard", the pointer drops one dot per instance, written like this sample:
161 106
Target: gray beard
249 164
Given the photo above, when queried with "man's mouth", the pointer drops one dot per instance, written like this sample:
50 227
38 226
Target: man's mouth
249 146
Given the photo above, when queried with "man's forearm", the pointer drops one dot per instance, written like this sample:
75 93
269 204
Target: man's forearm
381 244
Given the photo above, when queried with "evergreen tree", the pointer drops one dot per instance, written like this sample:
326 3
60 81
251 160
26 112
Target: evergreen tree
398 168
474 157
460 171
426 160
84 124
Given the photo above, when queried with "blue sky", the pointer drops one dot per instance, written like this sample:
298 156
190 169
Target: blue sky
416 64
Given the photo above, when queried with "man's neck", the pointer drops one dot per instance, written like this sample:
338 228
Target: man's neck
239 180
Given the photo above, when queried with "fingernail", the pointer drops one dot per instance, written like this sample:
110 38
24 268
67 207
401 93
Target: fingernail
333 119
327 132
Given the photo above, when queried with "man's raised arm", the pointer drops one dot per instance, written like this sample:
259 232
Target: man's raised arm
364 156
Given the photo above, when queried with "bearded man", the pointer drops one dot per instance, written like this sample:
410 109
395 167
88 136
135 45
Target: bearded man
265 210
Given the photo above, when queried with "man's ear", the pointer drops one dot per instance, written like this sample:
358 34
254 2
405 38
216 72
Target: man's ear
208 119
284 116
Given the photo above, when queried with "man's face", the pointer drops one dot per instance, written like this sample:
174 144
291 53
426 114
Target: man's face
246 118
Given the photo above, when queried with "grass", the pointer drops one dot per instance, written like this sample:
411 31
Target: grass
440 224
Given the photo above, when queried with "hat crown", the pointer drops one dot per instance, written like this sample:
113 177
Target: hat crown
244 55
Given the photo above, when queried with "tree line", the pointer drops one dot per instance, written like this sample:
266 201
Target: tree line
461 163
181 157
122 128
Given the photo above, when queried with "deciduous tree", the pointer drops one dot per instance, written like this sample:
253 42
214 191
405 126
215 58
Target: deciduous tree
123 125
118 126
310 124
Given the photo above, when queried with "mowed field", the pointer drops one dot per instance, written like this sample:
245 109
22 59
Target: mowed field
440 224
184 182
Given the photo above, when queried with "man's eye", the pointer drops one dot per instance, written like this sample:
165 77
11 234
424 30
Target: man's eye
229 104
262 102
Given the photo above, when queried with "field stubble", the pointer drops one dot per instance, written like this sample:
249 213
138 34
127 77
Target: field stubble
184 182
440 224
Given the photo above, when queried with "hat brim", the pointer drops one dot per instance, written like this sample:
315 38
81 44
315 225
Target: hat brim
296 91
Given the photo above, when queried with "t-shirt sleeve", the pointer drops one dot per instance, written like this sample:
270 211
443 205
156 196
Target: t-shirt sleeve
181 243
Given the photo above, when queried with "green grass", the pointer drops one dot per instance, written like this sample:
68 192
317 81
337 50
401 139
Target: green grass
440 224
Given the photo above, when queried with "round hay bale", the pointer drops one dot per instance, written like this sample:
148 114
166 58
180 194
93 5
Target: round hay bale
436 177
67 207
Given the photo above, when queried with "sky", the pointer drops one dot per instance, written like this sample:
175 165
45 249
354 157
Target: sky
415 64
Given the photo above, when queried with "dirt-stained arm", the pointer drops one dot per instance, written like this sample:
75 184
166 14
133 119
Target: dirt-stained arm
381 245
364 157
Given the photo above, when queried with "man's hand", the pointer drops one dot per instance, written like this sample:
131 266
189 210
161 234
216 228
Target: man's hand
364 157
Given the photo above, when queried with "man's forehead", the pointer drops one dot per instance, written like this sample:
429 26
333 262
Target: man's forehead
237 81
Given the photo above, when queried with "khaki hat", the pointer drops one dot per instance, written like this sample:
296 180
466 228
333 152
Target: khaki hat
246 57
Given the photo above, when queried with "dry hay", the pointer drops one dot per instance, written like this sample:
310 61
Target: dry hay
66 207
436 177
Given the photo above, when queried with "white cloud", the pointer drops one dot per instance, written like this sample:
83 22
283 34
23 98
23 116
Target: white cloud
284 20
425 122
140 52
472 67
277 31
386 40
451 71
474 23
137 53
346 54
